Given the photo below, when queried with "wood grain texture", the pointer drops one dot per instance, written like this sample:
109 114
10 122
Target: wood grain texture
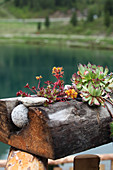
19 160
76 127
59 130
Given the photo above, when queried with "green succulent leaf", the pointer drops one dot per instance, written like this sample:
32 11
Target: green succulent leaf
106 71
98 91
91 100
94 66
111 129
101 68
92 89
85 98
96 102
81 69
107 89
111 99
79 86
89 65
110 85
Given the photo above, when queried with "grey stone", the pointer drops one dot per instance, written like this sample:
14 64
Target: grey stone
19 115
33 101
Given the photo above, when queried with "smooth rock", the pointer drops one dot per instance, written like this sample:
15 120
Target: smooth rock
32 101
19 116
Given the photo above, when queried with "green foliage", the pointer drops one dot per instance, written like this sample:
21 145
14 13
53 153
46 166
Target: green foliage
108 7
74 19
39 25
34 9
47 22
107 19
58 4
111 129
93 83
6 0
90 16
16 3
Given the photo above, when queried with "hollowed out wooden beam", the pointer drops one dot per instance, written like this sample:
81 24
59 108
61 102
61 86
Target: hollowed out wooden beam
61 129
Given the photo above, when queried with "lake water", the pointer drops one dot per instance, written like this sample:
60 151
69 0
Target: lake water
21 64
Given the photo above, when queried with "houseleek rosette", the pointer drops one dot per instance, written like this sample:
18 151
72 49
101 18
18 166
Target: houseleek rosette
93 83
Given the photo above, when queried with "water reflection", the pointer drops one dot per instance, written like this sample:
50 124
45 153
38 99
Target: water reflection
20 64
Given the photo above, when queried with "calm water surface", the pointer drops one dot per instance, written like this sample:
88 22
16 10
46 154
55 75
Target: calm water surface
21 64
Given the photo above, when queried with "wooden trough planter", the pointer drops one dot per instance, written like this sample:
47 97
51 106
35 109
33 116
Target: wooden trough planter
56 131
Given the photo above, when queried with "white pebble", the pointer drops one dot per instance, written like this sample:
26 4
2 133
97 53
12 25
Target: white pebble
66 87
19 115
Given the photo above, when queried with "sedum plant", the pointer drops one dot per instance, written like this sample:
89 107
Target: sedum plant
93 83
53 91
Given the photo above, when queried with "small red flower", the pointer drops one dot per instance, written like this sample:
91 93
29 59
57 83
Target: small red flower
27 85
18 93
48 82
33 87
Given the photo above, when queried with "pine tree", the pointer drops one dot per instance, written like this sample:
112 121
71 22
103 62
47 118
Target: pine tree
107 19
39 26
90 16
108 7
74 19
17 3
47 22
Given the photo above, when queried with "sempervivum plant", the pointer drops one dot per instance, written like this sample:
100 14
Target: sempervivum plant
93 83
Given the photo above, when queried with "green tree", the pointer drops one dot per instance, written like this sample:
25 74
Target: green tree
31 4
39 26
25 2
47 4
47 22
74 19
6 0
90 16
108 7
107 20
17 3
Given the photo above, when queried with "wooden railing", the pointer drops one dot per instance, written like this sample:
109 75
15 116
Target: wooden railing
70 159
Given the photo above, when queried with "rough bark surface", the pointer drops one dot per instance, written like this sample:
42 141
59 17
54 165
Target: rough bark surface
61 129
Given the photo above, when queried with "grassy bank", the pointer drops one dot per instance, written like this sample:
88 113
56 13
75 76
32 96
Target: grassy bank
63 33
61 40
96 27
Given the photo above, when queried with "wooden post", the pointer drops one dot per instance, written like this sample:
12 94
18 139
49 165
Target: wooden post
25 161
86 162
102 167
71 168
111 164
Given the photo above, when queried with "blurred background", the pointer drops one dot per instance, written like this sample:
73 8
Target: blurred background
36 35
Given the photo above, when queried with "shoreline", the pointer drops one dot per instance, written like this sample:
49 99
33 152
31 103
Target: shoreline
83 41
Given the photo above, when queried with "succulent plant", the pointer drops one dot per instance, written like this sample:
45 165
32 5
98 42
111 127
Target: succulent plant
52 91
94 83
111 129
